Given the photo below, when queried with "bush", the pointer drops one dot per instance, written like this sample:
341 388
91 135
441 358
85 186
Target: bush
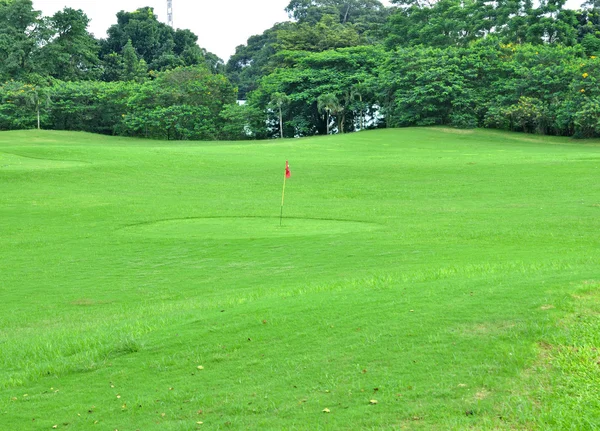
463 120
587 119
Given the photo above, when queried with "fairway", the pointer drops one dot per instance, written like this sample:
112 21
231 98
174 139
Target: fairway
420 279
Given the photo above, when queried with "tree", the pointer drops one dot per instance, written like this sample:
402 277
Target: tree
550 23
112 67
22 104
359 90
278 100
366 15
447 23
304 77
254 60
22 32
161 47
242 121
71 53
133 69
124 66
326 34
183 103
329 104
149 37
91 106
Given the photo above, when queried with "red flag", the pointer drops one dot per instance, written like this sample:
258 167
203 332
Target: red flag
287 170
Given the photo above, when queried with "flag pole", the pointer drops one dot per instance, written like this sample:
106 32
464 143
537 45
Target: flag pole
286 175
282 197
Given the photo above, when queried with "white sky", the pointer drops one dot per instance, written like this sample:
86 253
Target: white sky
221 25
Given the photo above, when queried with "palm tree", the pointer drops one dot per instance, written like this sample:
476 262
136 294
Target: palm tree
36 98
29 95
328 103
359 90
278 100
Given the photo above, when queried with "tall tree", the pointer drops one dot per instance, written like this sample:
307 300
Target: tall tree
160 46
329 104
22 31
183 103
326 34
278 100
133 68
22 105
313 74
459 22
72 52
254 60
367 15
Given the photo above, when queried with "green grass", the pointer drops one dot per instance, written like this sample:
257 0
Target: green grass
453 277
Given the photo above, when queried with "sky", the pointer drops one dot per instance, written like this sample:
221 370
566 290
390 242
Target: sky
221 25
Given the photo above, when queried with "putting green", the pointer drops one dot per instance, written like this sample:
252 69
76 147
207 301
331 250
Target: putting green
245 227
13 162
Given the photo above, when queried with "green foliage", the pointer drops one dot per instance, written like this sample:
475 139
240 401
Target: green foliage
160 46
184 103
340 73
278 100
447 23
72 53
364 13
430 86
21 33
175 122
329 105
92 106
514 65
442 23
528 115
22 104
591 44
254 60
321 25
528 88
587 118
240 122
133 69
325 35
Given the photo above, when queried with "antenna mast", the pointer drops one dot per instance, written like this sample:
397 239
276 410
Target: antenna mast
170 12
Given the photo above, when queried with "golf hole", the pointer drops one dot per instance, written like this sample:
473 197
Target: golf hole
245 227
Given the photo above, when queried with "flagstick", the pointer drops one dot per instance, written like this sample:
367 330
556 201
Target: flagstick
282 197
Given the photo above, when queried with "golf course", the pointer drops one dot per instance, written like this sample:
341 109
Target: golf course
419 278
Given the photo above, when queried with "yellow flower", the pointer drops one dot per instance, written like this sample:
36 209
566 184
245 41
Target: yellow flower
593 56
585 75
582 90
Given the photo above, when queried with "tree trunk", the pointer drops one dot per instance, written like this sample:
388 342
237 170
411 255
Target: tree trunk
280 123
328 123
362 118
38 115
346 15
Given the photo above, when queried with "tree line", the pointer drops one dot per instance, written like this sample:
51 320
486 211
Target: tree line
338 66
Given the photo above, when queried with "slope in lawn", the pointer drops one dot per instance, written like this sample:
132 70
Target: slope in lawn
150 284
